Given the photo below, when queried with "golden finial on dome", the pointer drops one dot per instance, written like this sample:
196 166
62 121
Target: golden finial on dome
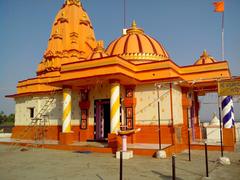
134 24
205 54
134 28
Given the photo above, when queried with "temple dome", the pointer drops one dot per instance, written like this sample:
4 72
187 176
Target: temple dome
205 59
98 52
136 45
72 37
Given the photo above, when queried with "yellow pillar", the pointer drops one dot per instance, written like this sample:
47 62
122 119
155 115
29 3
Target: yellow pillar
67 109
115 107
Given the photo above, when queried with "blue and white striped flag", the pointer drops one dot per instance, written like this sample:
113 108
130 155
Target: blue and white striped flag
227 112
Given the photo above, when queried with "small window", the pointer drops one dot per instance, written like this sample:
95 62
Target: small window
31 109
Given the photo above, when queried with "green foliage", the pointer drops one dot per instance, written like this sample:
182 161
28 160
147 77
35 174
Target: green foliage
9 119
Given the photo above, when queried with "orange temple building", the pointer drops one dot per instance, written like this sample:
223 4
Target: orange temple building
84 92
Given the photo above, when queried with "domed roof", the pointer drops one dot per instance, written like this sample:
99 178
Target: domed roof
72 37
98 52
136 45
205 59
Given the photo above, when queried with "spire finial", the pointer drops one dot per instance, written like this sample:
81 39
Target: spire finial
205 53
77 2
134 24
134 28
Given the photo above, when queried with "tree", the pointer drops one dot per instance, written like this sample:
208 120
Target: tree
1 116
4 118
11 118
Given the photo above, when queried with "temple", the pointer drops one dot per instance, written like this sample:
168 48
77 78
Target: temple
84 92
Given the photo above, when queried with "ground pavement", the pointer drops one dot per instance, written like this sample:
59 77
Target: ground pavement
35 164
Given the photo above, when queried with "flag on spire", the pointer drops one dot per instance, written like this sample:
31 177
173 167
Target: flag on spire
219 6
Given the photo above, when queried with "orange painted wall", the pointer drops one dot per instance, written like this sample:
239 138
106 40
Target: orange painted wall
87 134
51 132
176 135
228 136
149 134
27 132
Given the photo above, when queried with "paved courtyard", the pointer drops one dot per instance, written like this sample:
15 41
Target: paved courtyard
42 164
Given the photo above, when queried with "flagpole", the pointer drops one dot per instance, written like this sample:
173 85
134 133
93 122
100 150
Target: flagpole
223 35
219 99
220 123
124 13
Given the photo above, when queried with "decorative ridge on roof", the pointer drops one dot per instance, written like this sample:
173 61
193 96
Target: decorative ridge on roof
143 56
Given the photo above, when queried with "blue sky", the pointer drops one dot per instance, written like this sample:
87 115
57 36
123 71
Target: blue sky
185 28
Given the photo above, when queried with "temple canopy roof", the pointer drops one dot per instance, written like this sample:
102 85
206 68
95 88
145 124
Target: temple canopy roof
136 45
74 58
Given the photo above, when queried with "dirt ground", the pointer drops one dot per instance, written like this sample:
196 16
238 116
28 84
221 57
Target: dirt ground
42 164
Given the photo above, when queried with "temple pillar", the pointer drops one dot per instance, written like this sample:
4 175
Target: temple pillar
115 107
113 139
66 136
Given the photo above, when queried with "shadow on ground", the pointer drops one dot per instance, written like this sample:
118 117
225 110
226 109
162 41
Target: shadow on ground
164 177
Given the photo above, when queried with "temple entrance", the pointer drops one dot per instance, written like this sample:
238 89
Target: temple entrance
101 119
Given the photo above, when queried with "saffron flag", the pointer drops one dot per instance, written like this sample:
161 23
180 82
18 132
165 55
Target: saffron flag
219 6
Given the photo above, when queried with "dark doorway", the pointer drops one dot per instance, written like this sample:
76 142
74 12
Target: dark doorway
101 119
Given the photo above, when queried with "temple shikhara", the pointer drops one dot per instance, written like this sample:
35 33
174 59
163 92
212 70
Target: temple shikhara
85 92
